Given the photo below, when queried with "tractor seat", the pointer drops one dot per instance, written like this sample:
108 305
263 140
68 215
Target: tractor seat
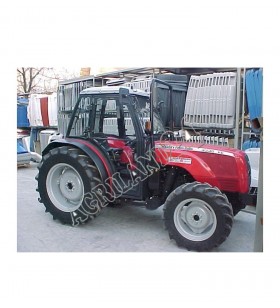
102 139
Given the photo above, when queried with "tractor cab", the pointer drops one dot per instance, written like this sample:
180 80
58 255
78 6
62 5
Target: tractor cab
118 118
118 112
121 122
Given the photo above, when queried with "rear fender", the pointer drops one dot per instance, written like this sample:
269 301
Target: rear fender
99 159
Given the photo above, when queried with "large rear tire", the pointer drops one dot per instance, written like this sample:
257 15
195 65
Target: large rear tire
67 184
198 216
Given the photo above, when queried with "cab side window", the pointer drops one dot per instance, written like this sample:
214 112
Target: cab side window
129 127
110 120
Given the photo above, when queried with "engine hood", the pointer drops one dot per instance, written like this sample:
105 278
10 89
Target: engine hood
198 147
223 167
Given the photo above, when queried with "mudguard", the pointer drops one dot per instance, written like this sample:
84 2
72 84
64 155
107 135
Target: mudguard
98 157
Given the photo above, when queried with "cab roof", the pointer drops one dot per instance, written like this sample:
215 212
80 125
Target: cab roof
113 89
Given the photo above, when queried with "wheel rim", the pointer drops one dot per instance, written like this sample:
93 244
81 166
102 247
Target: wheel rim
195 219
65 187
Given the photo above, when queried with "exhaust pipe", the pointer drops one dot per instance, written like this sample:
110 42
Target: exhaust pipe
35 157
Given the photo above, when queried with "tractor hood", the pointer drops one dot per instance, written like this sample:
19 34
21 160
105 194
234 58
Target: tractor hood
223 167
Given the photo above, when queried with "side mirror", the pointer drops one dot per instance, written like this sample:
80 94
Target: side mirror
148 127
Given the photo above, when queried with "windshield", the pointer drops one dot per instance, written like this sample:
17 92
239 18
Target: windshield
103 114
142 105
97 114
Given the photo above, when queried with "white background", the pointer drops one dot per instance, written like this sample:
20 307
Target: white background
132 34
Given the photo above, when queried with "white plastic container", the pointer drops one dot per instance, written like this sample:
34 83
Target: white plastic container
254 159
45 136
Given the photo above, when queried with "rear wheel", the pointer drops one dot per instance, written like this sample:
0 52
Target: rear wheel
198 216
68 184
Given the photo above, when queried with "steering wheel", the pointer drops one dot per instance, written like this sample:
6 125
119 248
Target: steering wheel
131 142
165 135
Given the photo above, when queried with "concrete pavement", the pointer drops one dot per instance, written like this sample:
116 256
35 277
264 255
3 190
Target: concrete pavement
126 228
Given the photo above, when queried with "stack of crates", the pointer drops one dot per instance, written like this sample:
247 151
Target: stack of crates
140 83
214 140
211 101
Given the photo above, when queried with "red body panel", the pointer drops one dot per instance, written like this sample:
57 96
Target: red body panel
219 166
222 167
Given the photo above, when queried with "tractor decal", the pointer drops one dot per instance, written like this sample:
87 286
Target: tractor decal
180 160
193 149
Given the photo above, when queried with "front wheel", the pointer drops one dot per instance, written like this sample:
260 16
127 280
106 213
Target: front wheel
198 216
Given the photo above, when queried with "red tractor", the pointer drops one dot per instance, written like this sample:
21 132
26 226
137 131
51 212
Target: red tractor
116 148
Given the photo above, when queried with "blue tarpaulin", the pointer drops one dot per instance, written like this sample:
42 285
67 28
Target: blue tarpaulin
20 147
22 119
254 92
22 100
252 143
